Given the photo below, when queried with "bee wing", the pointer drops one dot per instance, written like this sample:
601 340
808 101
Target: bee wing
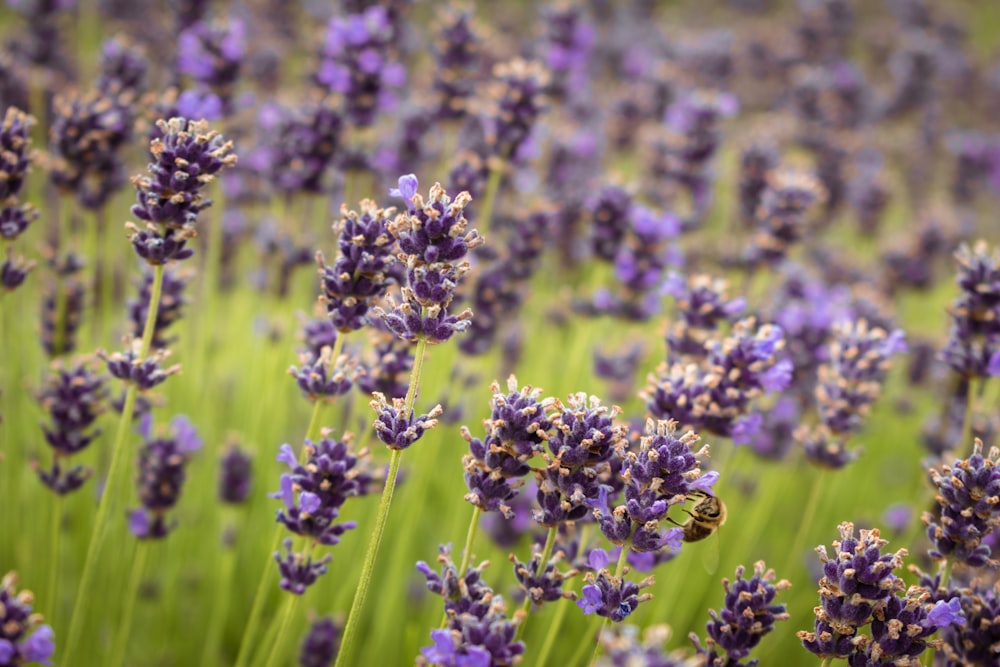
710 553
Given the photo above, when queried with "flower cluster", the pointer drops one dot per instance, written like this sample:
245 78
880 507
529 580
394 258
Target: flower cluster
478 631
622 647
74 398
319 648
212 54
23 637
302 145
973 347
87 135
517 93
584 443
717 394
323 378
702 303
848 384
144 373
968 494
456 47
433 244
609 220
610 595
857 581
359 276
569 38
749 613
516 431
16 157
171 307
235 475
974 641
123 67
356 62
185 160
782 215
663 472
757 164
162 471
397 428
313 494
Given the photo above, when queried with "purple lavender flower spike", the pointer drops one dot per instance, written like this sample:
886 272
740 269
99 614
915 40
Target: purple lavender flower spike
212 54
749 613
399 431
162 472
972 642
545 585
782 216
457 46
323 378
123 67
15 152
968 495
23 638
14 271
889 646
518 94
172 301
235 475
314 491
143 373
298 571
612 597
319 648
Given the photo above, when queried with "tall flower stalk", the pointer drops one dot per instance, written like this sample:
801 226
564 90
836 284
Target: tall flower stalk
433 241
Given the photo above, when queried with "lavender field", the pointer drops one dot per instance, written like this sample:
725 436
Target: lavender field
578 332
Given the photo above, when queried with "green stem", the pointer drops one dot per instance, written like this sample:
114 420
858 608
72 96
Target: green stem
826 661
132 593
554 626
381 517
350 630
812 504
121 457
485 212
257 608
550 541
54 558
210 652
278 642
469 538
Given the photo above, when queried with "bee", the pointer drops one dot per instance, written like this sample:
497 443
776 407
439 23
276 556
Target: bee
708 513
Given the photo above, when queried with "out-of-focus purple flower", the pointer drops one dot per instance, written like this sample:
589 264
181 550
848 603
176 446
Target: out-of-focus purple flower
59 327
15 217
570 36
13 271
123 67
456 50
213 54
517 92
781 216
162 471
172 301
319 648
74 398
235 475
23 637
757 162
16 155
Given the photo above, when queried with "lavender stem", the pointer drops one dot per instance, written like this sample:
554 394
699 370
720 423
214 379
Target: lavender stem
131 593
550 541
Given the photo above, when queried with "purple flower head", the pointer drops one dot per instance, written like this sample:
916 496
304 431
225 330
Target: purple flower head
299 571
969 497
888 645
13 271
73 397
448 652
406 190
359 276
314 491
200 104
16 155
610 596
319 648
323 378
162 471
781 217
609 212
971 642
857 582
517 92
213 53
435 229
235 475
541 582
748 613
396 429
300 146
23 637
143 373
185 160
172 301
123 67
457 47
943 614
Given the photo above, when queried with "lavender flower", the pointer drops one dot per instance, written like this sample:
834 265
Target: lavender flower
359 276
517 93
301 147
973 642
781 216
235 475
889 645
702 304
569 37
320 646
975 334
74 397
757 162
23 637
314 491
123 67
456 51
16 155
355 61
389 371
299 571
478 631
143 373
13 271
59 327
397 429
609 212
610 596
162 471
856 582
542 583
968 493
186 159
172 302
748 614
622 647
212 54
322 377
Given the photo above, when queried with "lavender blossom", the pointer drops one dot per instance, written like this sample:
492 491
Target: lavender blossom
456 51
542 583
757 162
973 641
74 397
517 93
920 618
143 373
212 54
397 429
974 337
856 582
781 216
968 493
320 646
59 327
323 378
477 631
13 271
23 637
172 301
299 571
355 61
16 155
235 475
314 491
608 595
162 471
609 212
748 614
623 648
123 67
302 145
570 36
